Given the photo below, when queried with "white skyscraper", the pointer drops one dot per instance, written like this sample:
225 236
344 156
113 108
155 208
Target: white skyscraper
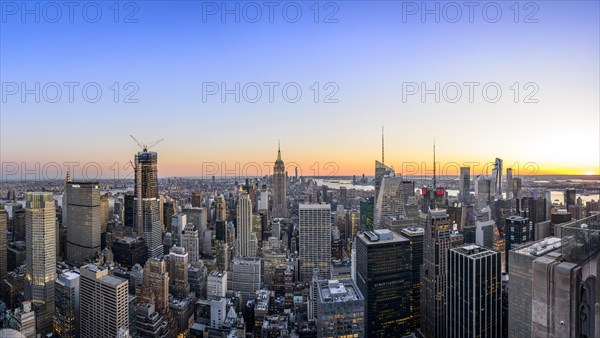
390 202
244 224
315 240
190 241
104 303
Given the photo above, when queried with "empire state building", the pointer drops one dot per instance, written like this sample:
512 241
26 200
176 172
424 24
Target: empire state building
279 192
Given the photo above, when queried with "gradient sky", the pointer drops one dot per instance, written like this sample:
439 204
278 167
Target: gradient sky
369 53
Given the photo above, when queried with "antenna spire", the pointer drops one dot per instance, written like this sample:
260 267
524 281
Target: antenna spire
382 147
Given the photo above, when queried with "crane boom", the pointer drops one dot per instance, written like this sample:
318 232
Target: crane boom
143 146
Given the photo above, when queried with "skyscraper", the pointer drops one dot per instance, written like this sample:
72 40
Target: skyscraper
147 211
104 303
509 183
279 188
41 257
390 201
191 243
244 224
415 236
464 185
196 199
84 223
314 240
178 271
570 197
496 185
518 230
384 277
66 317
3 245
474 296
438 238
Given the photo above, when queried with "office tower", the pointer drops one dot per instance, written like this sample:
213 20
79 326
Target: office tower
129 251
196 199
216 284
496 182
509 184
84 224
245 277
570 197
129 210
191 243
199 218
314 240
474 294
119 209
178 271
437 239
12 287
533 208
279 188
23 320
41 257
464 185
66 315
263 203
243 224
147 208
223 256
408 189
390 201
367 211
155 285
340 309
104 303
19 224
221 208
518 230
197 278
3 245
415 236
104 213
384 276
169 209
483 192
484 228
178 223
344 197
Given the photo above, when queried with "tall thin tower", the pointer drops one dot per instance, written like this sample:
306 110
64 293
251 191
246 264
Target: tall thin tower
279 189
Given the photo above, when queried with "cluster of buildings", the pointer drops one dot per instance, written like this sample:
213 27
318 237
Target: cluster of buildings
280 256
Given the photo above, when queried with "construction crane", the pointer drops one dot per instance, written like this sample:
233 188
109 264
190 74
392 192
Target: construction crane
146 147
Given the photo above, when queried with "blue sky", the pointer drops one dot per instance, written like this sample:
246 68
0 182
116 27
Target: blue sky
175 47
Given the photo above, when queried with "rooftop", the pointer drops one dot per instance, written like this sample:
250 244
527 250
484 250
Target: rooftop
338 291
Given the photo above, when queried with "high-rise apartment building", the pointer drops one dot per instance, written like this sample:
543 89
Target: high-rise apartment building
41 257
104 303
279 188
84 224
474 294
314 240
384 277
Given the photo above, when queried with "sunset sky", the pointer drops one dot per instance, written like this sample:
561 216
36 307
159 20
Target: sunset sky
368 54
